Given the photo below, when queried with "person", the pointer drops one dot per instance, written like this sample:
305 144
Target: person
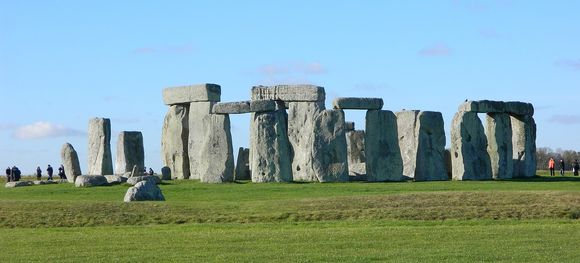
150 171
576 166
61 172
551 164
15 174
8 174
38 173
49 171
562 167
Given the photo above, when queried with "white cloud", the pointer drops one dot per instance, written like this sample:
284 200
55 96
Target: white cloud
43 129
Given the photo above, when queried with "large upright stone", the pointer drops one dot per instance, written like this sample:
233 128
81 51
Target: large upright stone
100 161
289 93
301 131
469 157
192 93
383 155
499 147
357 103
130 152
329 147
197 135
174 139
406 129
524 143
355 144
216 164
70 161
430 134
243 165
270 148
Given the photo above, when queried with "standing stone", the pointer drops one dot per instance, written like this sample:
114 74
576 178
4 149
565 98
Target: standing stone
174 140
243 165
430 134
216 164
383 155
301 131
100 161
270 148
130 151
355 145
470 160
197 135
524 143
500 148
70 161
406 128
329 147
165 173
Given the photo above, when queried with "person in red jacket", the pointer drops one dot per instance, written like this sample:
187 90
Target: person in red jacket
551 165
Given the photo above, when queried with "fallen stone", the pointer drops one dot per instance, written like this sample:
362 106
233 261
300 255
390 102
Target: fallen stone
100 161
383 155
174 141
144 191
44 182
242 171
166 173
136 179
329 147
270 156
469 157
524 146
115 179
91 181
355 145
519 108
349 126
192 93
18 184
70 161
265 105
430 134
197 136
237 107
217 162
357 103
301 131
500 148
130 151
291 93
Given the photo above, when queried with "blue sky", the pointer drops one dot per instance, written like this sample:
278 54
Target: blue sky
64 62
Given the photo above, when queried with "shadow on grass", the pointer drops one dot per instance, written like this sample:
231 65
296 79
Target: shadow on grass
544 179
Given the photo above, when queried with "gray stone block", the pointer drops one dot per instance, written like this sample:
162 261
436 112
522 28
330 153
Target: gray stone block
243 165
524 143
18 184
355 144
130 151
270 149
349 126
174 141
357 103
100 161
238 107
264 105
197 135
329 147
519 108
469 157
91 181
191 93
383 155
290 93
301 131
165 173
500 147
216 164
144 191
483 106
430 134
70 161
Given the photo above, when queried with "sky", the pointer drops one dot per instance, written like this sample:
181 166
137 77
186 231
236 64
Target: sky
65 62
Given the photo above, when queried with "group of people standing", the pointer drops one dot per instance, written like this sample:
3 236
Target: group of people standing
13 174
552 165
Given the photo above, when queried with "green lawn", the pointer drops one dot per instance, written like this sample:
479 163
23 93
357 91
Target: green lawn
533 220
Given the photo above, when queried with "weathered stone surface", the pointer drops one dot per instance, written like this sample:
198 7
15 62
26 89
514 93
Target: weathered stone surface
45 182
115 179
136 179
100 161
301 117
136 171
91 180
329 147
448 164
349 126
355 145
144 191
243 165
430 134
524 146
237 107
197 136
166 173
383 155
70 161
18 184
499 147
470 160
483 106
357 103
265 105
130 151
519 108
270 148
289 93
357 172
191 93
174 141
406 128
217 162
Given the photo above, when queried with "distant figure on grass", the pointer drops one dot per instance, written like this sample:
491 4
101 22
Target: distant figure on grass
61 172
575 167
150 171
15 174
38 173
562 167
8 174
49 171
551 165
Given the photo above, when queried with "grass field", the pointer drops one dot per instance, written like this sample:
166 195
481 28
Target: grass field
533 220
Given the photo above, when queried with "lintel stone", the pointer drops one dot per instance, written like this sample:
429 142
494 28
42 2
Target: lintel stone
483 106
262 105
192 93
237 107
291 93
357 103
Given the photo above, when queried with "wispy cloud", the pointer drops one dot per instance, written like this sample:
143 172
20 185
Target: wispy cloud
179 49
43 129
569 63
438 50
565 119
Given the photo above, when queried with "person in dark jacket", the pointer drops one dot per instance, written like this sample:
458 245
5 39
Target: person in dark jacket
8 174
562 167
49 171
15 174
61 172
576 166
38 173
